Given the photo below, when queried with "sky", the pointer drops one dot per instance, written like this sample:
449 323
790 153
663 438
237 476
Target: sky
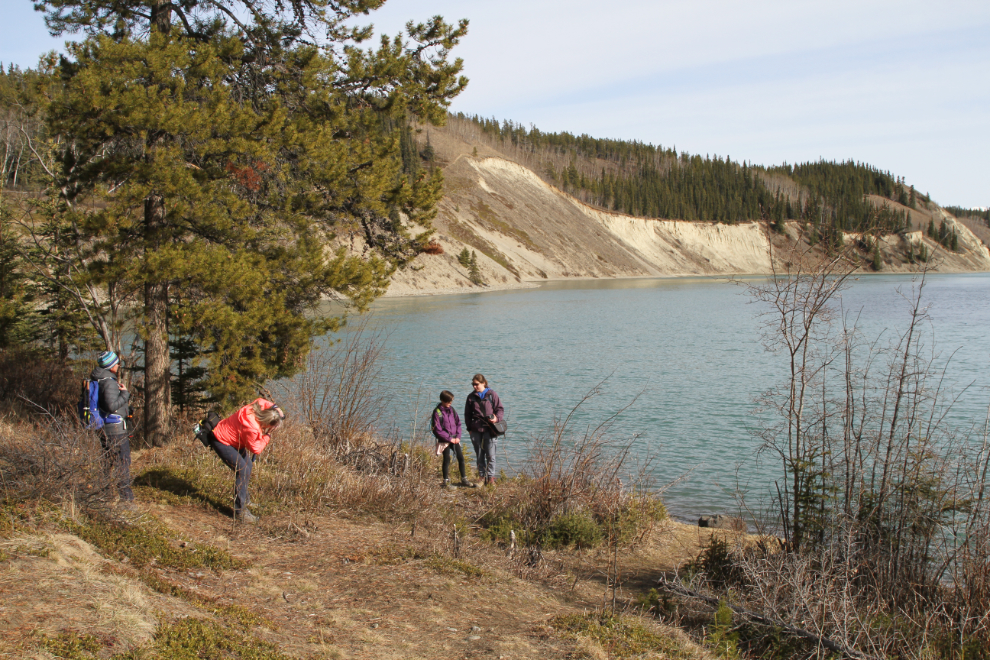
904 86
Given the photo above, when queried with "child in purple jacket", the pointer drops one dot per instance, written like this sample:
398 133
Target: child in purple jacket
446 426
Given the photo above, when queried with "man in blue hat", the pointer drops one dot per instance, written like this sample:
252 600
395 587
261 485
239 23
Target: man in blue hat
113 436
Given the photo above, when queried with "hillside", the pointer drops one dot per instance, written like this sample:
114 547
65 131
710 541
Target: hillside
524 229
176 578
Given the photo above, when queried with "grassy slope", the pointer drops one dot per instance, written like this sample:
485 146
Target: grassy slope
314 584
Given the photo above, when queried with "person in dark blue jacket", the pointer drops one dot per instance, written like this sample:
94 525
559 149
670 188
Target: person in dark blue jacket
483 404
113 402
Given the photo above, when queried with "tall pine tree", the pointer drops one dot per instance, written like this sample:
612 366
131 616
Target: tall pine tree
226 148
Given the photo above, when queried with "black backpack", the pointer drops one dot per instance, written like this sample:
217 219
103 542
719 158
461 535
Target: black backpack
497 428
205 426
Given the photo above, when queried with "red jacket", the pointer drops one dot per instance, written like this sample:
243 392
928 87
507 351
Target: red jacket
242 431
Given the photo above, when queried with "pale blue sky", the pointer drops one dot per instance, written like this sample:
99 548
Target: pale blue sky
902 85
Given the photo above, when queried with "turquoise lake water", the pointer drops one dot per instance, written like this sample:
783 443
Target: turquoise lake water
686 353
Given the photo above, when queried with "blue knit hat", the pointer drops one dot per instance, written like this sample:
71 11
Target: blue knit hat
107 359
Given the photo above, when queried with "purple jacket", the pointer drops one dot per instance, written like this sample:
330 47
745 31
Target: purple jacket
477 410
445 423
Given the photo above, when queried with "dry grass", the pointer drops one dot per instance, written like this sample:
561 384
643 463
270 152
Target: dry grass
297 473
52 458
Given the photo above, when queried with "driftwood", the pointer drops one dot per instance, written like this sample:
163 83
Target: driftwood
830 644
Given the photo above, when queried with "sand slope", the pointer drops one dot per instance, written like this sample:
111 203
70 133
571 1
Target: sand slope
524 230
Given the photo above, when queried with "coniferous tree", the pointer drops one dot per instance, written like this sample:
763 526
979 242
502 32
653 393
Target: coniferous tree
234 151
18 316
474 272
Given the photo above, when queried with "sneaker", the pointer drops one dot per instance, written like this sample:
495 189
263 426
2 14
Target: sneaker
246 517
467 484
445 484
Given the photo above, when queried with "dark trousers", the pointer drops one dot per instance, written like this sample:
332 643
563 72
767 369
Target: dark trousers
484 448
459 453
240 462
117 461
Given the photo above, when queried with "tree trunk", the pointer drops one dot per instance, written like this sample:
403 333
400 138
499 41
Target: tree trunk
157 362
161 15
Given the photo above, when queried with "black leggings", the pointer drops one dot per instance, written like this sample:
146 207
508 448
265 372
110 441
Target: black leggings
456 448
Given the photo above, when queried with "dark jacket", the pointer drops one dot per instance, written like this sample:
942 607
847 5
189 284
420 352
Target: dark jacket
113 400
445 423
476 410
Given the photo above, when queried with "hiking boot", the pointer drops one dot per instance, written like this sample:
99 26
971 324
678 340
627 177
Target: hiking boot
445 484
467 484
246 517
490 481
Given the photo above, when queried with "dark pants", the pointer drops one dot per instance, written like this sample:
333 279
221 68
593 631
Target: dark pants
240 462
117 461
459 453
484 448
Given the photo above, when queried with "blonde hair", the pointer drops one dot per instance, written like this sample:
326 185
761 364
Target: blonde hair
271 417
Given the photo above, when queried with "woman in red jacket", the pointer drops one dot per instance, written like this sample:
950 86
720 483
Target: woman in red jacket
238 439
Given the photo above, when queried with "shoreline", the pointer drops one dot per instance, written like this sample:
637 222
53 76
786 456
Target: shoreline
537 284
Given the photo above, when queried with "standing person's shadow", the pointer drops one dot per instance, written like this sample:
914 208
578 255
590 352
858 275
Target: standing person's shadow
167 481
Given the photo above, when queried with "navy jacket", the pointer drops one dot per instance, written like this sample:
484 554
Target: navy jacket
476 411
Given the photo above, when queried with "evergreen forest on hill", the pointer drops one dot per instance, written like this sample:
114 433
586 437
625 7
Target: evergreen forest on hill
644 180
960 212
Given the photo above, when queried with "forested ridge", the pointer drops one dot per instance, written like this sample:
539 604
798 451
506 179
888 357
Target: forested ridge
645 180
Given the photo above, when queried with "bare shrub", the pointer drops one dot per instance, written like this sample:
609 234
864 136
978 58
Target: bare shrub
340 395
33 382
881 505
578 489
53 459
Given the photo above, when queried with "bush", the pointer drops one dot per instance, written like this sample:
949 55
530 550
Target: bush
32 381
54 459
433 248
623 636
577 528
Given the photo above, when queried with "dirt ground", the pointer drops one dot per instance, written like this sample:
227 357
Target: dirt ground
325 586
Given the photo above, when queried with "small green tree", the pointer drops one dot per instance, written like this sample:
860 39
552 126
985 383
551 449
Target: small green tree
464 258
474 272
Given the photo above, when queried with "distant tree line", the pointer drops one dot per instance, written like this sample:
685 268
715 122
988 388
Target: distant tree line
653 181
20 122
960 212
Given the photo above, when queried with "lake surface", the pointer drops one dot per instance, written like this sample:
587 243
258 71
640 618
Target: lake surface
684 355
